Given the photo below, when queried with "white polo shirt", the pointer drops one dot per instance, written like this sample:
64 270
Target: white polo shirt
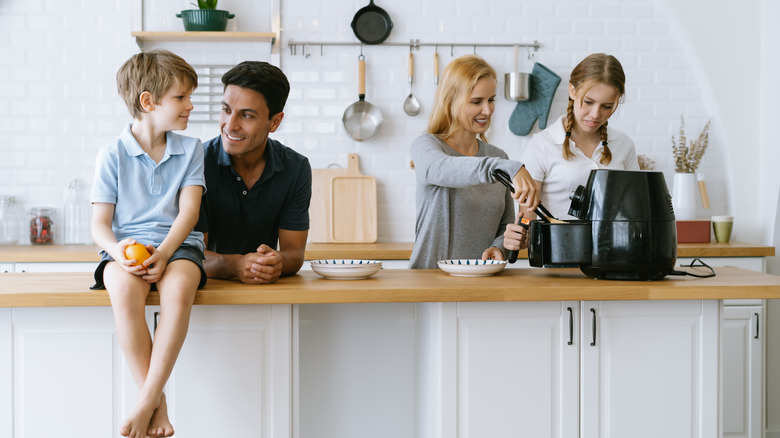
543 158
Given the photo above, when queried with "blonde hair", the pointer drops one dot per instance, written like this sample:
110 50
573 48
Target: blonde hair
598 68
155 71
458 80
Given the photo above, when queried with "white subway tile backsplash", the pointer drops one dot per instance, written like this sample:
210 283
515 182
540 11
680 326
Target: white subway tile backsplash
620 27
59 105
605 9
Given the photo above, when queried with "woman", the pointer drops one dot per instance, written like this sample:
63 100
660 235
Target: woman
561 157
462 210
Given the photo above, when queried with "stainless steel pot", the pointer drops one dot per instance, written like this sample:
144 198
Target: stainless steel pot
516 86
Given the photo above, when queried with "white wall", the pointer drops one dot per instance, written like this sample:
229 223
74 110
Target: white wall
59 62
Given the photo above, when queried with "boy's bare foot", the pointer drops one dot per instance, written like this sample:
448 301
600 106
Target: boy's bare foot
137 423
160 425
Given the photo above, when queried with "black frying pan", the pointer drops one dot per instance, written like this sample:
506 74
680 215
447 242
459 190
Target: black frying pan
372 24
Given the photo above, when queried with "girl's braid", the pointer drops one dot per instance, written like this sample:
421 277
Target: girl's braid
567 155
606 154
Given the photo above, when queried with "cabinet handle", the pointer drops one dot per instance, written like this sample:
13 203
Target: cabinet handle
757 326
593 342
156 314
571 325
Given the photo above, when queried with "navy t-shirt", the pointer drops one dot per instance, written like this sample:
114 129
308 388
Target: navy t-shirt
239 219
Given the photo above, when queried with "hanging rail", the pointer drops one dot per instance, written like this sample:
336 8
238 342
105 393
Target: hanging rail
412 44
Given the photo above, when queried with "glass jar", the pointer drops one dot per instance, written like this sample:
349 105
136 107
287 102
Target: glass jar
9 221
75 221
42 226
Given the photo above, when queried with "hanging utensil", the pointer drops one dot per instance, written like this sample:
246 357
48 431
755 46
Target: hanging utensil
436 66
372 24
361 119
516 83
411 104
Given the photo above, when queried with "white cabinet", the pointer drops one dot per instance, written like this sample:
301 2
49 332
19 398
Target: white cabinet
652 371
742 378
6 268
233 376
507 369
500 370
66 375
62 373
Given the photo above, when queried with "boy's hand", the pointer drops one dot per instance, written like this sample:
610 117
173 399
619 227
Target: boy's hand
118 253
155 265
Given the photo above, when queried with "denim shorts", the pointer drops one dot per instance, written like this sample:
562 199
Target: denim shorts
186 252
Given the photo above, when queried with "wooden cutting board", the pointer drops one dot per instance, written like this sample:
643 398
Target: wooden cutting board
343 205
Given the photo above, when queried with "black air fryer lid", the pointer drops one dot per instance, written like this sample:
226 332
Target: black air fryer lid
623 195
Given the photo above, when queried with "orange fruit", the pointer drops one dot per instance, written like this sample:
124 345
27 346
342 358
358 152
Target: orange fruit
138 252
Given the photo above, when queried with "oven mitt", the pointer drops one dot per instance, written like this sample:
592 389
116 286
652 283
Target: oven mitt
543 83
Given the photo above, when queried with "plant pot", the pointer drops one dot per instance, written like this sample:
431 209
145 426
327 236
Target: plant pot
204 20
684 196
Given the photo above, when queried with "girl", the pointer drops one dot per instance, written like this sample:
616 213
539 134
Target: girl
462 210
561 157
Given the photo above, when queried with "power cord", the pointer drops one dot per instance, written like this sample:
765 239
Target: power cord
694 265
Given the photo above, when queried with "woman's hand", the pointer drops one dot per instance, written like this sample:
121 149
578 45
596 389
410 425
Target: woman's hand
493 253
526 191
516 236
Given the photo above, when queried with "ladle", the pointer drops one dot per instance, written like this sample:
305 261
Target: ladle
411 104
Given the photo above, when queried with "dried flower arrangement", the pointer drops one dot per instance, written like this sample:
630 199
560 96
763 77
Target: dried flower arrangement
645 162
688 154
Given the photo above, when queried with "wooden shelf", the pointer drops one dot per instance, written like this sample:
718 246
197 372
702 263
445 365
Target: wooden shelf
140 37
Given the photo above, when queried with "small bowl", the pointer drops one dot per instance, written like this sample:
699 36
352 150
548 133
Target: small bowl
345 269
471 267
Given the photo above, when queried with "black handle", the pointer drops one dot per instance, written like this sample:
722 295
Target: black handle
593 311
757 326
571 325
156 314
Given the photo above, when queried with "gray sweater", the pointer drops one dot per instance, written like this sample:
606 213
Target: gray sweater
461 209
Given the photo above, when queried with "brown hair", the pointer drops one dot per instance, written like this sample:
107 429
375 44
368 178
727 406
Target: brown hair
597 68
458 80
155 71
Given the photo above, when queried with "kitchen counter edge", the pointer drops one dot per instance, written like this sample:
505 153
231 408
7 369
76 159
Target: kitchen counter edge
370 251
408 286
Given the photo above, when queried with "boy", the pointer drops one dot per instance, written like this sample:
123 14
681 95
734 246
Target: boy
148 185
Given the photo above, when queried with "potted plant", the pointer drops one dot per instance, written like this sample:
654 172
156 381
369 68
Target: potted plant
687 156
206 18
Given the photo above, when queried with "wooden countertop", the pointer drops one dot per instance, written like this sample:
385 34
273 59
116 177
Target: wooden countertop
408 286
370 251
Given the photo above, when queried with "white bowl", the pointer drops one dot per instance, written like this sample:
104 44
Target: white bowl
345 269
471 267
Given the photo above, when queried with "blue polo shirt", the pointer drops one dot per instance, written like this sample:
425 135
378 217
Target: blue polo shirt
238 218
145 193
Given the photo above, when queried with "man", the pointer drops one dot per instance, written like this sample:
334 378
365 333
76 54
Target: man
258 190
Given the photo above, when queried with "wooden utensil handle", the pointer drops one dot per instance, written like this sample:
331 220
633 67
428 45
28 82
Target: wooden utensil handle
435 67
411 65
362 77
705 200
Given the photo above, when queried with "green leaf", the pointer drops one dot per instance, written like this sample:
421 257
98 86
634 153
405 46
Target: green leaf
207 4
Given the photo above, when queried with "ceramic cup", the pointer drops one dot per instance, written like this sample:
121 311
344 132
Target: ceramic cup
722 226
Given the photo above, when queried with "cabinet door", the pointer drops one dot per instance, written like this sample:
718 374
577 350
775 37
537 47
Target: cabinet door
233 376
6 373
742 388
509 370
649 369
65 363
5 268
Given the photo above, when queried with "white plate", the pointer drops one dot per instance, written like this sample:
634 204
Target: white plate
471 267
345 269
